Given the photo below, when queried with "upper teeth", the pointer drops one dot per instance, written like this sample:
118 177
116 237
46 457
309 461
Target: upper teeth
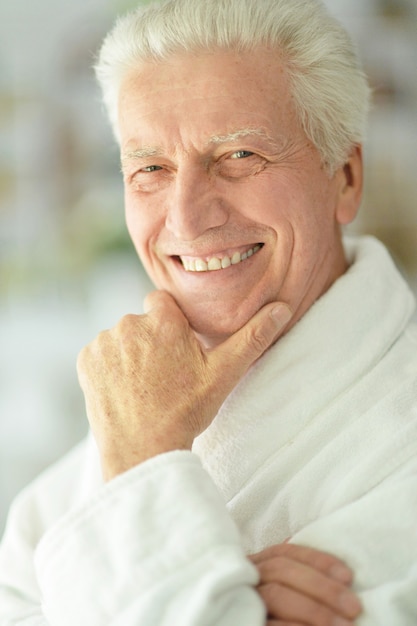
216 263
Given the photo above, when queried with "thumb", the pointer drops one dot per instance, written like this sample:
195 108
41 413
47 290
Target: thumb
259 333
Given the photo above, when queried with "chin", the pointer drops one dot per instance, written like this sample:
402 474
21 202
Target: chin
211 339
215 329
212 333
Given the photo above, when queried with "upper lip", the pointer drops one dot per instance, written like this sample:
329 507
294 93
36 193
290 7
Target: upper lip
206 254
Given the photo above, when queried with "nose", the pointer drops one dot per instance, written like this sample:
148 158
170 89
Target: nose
194 205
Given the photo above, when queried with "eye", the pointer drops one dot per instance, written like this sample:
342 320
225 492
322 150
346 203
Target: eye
240 164
151 168
149 178
241 154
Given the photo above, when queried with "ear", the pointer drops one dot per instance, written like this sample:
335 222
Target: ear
350 187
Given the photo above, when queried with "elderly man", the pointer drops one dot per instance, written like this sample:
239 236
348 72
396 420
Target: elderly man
265 402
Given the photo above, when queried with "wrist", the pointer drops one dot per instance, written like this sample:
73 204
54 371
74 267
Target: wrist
114 463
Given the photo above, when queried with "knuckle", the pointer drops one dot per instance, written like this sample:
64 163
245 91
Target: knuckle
82 355
153 298
86 356
278 568
325 562
282 568
93 352
126 324
270 594
286 603
81 361
322 560
130 331
258 339
332 591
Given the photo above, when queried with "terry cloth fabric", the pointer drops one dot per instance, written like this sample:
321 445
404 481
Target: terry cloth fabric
329 409
318 443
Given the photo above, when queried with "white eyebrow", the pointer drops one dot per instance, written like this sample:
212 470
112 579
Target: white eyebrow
240 134
142 153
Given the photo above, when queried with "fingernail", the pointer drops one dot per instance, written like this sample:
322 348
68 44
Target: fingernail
350 604
281 314
341 573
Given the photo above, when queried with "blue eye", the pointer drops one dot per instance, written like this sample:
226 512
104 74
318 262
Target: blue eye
241 154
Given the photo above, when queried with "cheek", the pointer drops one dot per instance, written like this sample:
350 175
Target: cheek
140 222
144 227
133 227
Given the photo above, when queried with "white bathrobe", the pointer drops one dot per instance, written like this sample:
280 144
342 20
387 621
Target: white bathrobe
318 443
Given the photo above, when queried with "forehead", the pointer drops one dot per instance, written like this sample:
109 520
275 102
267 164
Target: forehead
215 97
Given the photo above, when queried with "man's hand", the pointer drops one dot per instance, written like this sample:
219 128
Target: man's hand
151 387
301 586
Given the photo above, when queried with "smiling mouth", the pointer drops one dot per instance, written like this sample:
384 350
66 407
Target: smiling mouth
216 263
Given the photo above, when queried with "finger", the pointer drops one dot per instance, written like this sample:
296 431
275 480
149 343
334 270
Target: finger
250 342
165 316
310 582
157 299
287 604
280 622
271 621
317 559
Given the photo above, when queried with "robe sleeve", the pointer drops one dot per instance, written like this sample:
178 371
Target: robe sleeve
376 535
153 547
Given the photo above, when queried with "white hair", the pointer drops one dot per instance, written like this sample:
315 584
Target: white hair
330 91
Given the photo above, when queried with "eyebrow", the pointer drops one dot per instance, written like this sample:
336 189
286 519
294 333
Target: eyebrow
154 151
142 153
240 134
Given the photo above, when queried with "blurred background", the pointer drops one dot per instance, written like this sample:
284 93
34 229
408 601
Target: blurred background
67 267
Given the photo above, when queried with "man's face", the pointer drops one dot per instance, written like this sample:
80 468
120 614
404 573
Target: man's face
227 202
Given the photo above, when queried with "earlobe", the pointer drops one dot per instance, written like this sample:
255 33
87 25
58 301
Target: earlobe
350 191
